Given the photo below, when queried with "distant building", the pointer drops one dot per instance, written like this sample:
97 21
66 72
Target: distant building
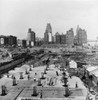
8 40
12 40
70 37
30 37
3 40
21 43
57 38
48 38
81 36
39 42
63 39
24 43
60 38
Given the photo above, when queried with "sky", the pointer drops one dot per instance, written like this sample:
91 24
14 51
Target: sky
16 16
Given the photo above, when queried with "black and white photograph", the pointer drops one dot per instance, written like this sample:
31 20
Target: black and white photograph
48 49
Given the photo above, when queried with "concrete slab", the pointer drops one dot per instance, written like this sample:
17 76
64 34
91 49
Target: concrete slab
24 88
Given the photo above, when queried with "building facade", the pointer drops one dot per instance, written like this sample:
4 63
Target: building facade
21 43
81 36
3 40
48 38
39 41
63 39
57 38
60 38
8 40
12 40
70 37
30 37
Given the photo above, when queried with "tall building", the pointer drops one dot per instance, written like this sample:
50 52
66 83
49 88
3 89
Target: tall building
63 39
57 38
81 36
70 37
48 34
31 37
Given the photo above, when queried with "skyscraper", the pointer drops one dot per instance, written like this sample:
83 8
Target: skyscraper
48 34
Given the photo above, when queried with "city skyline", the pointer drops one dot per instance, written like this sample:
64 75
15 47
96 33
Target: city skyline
17 16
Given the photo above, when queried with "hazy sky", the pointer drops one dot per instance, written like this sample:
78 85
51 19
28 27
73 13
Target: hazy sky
16 16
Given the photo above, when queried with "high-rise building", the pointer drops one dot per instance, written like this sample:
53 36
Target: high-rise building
81 36
70 37
48 38
57 38
31 37
63 39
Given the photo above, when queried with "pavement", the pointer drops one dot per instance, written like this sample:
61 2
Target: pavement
24 87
